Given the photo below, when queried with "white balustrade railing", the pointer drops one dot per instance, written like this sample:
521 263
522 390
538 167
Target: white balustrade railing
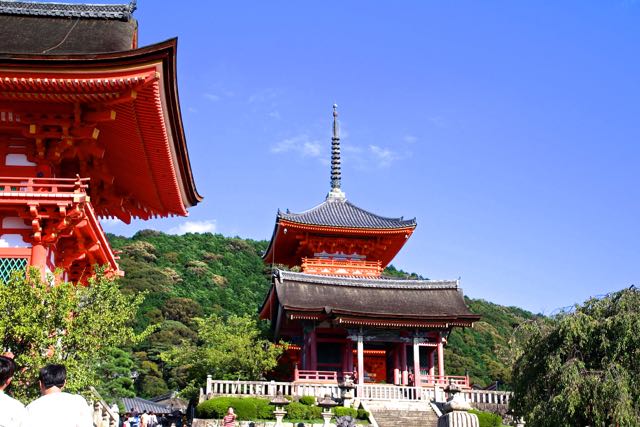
487 396
269 388
365 391
391 392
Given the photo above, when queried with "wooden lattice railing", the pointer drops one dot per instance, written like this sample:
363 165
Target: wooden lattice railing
341 267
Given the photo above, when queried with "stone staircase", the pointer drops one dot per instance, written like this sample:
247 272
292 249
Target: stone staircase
405 414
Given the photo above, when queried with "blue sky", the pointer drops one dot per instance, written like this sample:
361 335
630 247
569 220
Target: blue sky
511 130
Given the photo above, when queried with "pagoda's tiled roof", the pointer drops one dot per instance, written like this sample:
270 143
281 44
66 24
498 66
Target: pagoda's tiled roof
68 10
371 298
342 213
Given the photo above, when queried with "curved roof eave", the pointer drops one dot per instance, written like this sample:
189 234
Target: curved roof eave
163 51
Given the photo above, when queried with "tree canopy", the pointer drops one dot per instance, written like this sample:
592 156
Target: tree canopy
63 323
582 367
230 349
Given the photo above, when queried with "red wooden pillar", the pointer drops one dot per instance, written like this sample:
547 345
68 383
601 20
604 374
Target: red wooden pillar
403 363
313 350
346 349
39 258
397 378
416 363
432 361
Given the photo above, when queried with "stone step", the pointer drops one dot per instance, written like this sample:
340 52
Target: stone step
406 417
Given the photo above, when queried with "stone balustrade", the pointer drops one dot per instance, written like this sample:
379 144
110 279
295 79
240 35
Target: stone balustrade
363 392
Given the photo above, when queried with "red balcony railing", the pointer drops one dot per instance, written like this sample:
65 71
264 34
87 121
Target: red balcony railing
307 375
341 267
17 188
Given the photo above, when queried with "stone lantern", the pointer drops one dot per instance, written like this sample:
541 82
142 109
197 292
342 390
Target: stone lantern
456 410
326 404
346 390
279 402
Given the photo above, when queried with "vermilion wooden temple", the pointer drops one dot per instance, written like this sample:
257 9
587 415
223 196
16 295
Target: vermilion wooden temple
340 314
90 127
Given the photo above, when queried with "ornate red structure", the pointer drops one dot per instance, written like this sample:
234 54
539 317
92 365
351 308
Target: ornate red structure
340 300
90 127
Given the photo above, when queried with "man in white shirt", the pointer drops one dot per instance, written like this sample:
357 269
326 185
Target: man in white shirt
12 412
56 408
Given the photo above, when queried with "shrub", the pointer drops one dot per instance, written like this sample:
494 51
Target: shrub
308 400
363 414
488 419
264 410
341 412
213 408
296 411
314 413
246 408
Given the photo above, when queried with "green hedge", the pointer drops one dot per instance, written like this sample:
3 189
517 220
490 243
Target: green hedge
251 409
308 400
299 411
488 419
342 412
246 408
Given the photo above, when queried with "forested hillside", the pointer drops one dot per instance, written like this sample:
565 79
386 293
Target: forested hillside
199 274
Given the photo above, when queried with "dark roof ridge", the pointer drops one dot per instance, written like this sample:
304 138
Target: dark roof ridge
68 10
366 282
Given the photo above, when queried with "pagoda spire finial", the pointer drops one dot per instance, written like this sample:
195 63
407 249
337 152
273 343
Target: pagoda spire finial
336 192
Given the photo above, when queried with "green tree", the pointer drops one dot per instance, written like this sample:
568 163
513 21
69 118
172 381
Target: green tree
115 368
583 367
227 349
64 323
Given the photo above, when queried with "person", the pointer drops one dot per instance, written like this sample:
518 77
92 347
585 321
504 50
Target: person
144 419
153 419
56 408
12 412
229 420
125 422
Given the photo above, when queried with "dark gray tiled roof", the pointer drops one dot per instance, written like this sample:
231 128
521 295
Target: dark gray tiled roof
141 405
383 298
342 213
68 10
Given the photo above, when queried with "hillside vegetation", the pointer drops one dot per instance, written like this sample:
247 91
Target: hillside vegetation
194 275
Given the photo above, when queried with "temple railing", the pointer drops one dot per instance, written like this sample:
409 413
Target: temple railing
341 267
444 380
487 396
45 188
268 388
393 392
307 375
364 391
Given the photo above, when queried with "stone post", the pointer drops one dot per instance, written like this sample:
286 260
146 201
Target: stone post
209 389
456 411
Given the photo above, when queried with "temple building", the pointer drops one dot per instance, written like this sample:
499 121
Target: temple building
90 127
338 311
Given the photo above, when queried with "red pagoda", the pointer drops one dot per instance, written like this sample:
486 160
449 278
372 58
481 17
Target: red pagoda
90 127
340 314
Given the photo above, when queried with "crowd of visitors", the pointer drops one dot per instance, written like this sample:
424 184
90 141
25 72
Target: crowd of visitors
54 407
